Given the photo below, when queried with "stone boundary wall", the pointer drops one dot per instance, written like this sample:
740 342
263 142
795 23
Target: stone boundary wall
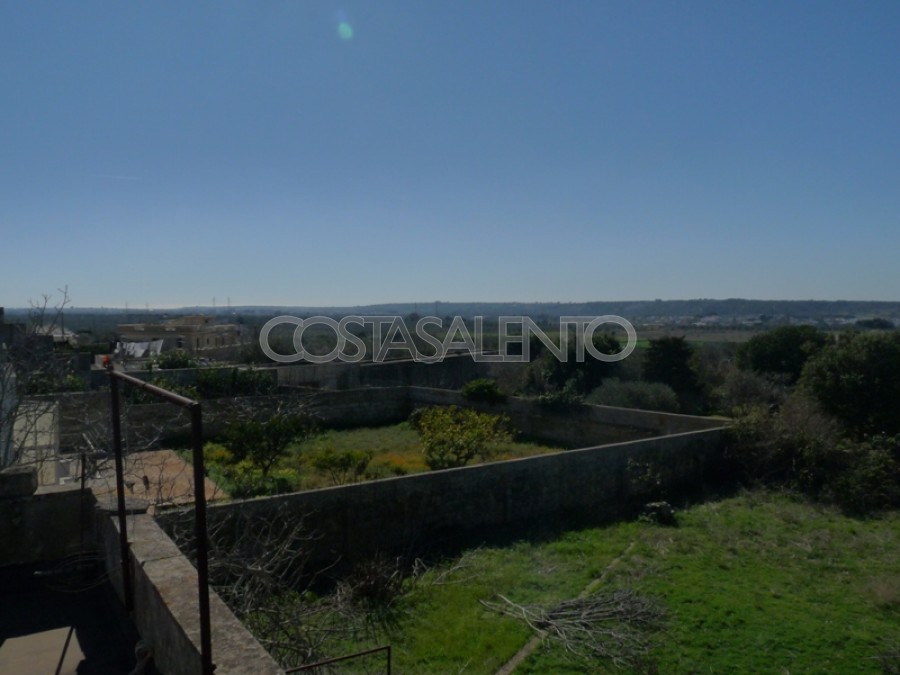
580 426
451 373
417 514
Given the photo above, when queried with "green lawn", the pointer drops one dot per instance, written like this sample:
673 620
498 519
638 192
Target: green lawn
758 583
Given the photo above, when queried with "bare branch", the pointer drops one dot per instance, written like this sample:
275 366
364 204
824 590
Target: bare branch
613 625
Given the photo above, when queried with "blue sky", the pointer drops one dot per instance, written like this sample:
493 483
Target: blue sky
169 153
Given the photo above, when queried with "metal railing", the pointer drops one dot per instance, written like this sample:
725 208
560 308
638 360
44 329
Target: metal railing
318 664
207 666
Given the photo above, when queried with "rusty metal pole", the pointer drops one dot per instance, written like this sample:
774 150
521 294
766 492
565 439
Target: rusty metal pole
202 543
120 491
199 498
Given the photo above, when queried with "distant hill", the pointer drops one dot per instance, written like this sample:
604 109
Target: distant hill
644 310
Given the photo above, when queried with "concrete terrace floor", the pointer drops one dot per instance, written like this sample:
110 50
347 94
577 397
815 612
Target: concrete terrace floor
64 623
154 478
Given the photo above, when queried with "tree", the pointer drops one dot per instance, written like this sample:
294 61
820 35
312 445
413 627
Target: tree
348 466
782 352
549 374
668 360
453 436
482 390
857 380
264 443
29 366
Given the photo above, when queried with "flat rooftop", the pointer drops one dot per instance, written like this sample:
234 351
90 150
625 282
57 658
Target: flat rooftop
62 618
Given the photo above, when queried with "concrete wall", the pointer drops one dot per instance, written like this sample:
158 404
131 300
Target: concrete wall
166 606
44 527
418 514
579 427
452 373
54 523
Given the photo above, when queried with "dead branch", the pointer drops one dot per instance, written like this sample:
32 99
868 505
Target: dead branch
613 625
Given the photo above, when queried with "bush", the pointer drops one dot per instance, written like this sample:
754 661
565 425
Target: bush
801 448
870 480
483 390
782 352
342 467
791 446
547 374
743 388
138 396
227 382
563 400
454 436
858 381
263 444
642 395
177 358
41 382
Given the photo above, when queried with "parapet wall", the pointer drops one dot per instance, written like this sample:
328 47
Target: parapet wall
166 607
47 526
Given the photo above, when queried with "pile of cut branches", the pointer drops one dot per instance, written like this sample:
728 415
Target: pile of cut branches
612 625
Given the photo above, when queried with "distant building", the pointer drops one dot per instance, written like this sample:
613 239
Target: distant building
194 334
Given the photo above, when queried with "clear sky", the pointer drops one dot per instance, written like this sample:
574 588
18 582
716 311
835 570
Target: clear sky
314 153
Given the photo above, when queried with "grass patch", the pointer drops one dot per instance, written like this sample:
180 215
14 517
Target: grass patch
396 451
759 583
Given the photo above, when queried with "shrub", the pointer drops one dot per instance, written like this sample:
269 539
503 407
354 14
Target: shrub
483 390
798 446
782 351
742 388
643 395
263 444
794 445
177 358
244 480
454 436
216 453
139 396
870 479
226 382
342 467
42 382
565 399
858 381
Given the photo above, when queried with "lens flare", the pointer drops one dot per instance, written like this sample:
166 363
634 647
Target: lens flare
345 30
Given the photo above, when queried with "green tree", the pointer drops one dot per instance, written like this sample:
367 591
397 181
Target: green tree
344 467
482 390
782 351
549 374
453 436
668 360
857 380
264 443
